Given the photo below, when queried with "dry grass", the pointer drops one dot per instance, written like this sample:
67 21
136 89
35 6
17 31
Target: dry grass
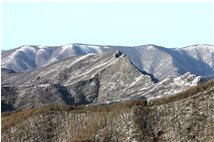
99 123
112 107
90 130
12 118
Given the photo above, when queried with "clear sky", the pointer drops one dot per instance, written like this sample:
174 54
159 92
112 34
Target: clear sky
165 24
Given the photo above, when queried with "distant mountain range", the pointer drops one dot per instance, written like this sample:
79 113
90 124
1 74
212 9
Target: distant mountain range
80 92
159 61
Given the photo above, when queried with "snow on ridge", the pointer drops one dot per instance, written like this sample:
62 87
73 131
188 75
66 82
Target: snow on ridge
42 47
196 80
150 47
88 49
93 48
106 47
136 80
51 61
187 79
66 51
84 48
67 47
26 49
44 85
93 70
41 51
177 84
203 53
97 48
200 47
81 58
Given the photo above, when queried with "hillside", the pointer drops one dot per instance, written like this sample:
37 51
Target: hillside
90 79
187 116
159 61
80 92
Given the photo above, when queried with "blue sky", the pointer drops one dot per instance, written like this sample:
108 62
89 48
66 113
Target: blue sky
165 24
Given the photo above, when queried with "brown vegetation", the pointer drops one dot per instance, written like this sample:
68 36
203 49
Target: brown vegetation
89 131
12 118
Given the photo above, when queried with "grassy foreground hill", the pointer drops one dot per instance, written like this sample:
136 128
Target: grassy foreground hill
187 116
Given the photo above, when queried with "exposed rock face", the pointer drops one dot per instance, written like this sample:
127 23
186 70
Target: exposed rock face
118 53
93 78
185 119
7 73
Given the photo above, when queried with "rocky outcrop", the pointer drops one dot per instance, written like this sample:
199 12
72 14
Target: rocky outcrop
187 116
93 78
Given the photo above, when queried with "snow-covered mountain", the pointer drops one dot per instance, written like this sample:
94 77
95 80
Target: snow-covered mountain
92 78
29 57
163 62
159 61
119 97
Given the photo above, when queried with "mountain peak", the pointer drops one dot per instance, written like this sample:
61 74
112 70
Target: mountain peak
118 53
156 60
92 78
200 47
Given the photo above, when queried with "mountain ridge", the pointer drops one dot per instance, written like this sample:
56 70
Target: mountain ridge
93 78
187 116
156 60
89 93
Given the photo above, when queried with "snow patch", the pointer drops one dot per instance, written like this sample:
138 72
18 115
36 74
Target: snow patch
41 46
150 47
51 61
44 85
196 80
97 48
26 49
67 47
137 79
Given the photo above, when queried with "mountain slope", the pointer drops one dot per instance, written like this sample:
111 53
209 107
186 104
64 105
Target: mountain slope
163 62
204 54
186 116
156 60
29 57
93 78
